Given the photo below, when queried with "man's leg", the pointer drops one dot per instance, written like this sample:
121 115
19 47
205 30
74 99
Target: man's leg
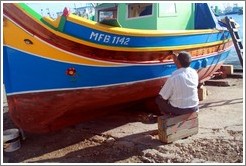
163 105
181 111
166 108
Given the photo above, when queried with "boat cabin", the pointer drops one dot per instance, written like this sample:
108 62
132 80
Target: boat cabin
157 16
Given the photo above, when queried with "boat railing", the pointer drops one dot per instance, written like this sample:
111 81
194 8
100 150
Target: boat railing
54 23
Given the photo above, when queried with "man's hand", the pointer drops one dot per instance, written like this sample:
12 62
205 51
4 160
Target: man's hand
175 58
174 55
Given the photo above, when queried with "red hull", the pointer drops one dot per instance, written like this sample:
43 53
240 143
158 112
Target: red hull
49 111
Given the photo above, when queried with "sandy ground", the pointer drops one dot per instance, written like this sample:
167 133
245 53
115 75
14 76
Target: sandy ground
131 136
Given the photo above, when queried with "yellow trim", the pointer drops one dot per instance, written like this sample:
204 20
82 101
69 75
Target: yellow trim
126 31
133 32
14 36
136 49
54 23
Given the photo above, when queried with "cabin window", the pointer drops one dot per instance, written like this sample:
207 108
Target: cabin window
107 13
139 9
167 9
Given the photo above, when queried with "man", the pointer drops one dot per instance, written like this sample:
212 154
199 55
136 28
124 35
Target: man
179 94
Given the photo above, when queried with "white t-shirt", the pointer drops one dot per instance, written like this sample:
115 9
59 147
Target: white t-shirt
181 88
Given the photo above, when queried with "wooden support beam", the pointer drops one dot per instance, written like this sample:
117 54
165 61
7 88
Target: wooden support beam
202 93
227 69
217 83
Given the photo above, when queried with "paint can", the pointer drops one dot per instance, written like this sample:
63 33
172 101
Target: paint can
11 140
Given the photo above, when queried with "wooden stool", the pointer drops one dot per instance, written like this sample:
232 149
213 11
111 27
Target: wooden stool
202 93
172 128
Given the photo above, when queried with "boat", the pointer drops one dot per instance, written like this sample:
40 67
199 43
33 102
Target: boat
64 71
240 12
233 10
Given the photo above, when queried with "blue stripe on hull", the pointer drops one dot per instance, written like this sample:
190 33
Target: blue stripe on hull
26 72
110 39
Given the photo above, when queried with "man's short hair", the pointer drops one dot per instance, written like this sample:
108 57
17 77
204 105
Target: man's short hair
184 59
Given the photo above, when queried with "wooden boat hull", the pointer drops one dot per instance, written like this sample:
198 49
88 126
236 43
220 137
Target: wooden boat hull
31 109
33 112
54 78
73 106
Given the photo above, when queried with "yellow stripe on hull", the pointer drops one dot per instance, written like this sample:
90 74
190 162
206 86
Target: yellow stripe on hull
131 32
16 37
137 49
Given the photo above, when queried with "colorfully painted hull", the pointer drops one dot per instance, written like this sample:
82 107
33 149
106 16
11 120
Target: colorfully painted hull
54 79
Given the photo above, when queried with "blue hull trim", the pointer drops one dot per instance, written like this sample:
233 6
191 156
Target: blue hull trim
109 39
26 72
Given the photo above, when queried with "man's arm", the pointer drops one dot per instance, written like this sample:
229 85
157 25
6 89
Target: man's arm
175 58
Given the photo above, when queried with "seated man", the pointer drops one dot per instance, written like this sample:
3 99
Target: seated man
179 94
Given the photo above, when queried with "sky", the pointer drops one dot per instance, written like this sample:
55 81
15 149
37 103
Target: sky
54 7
